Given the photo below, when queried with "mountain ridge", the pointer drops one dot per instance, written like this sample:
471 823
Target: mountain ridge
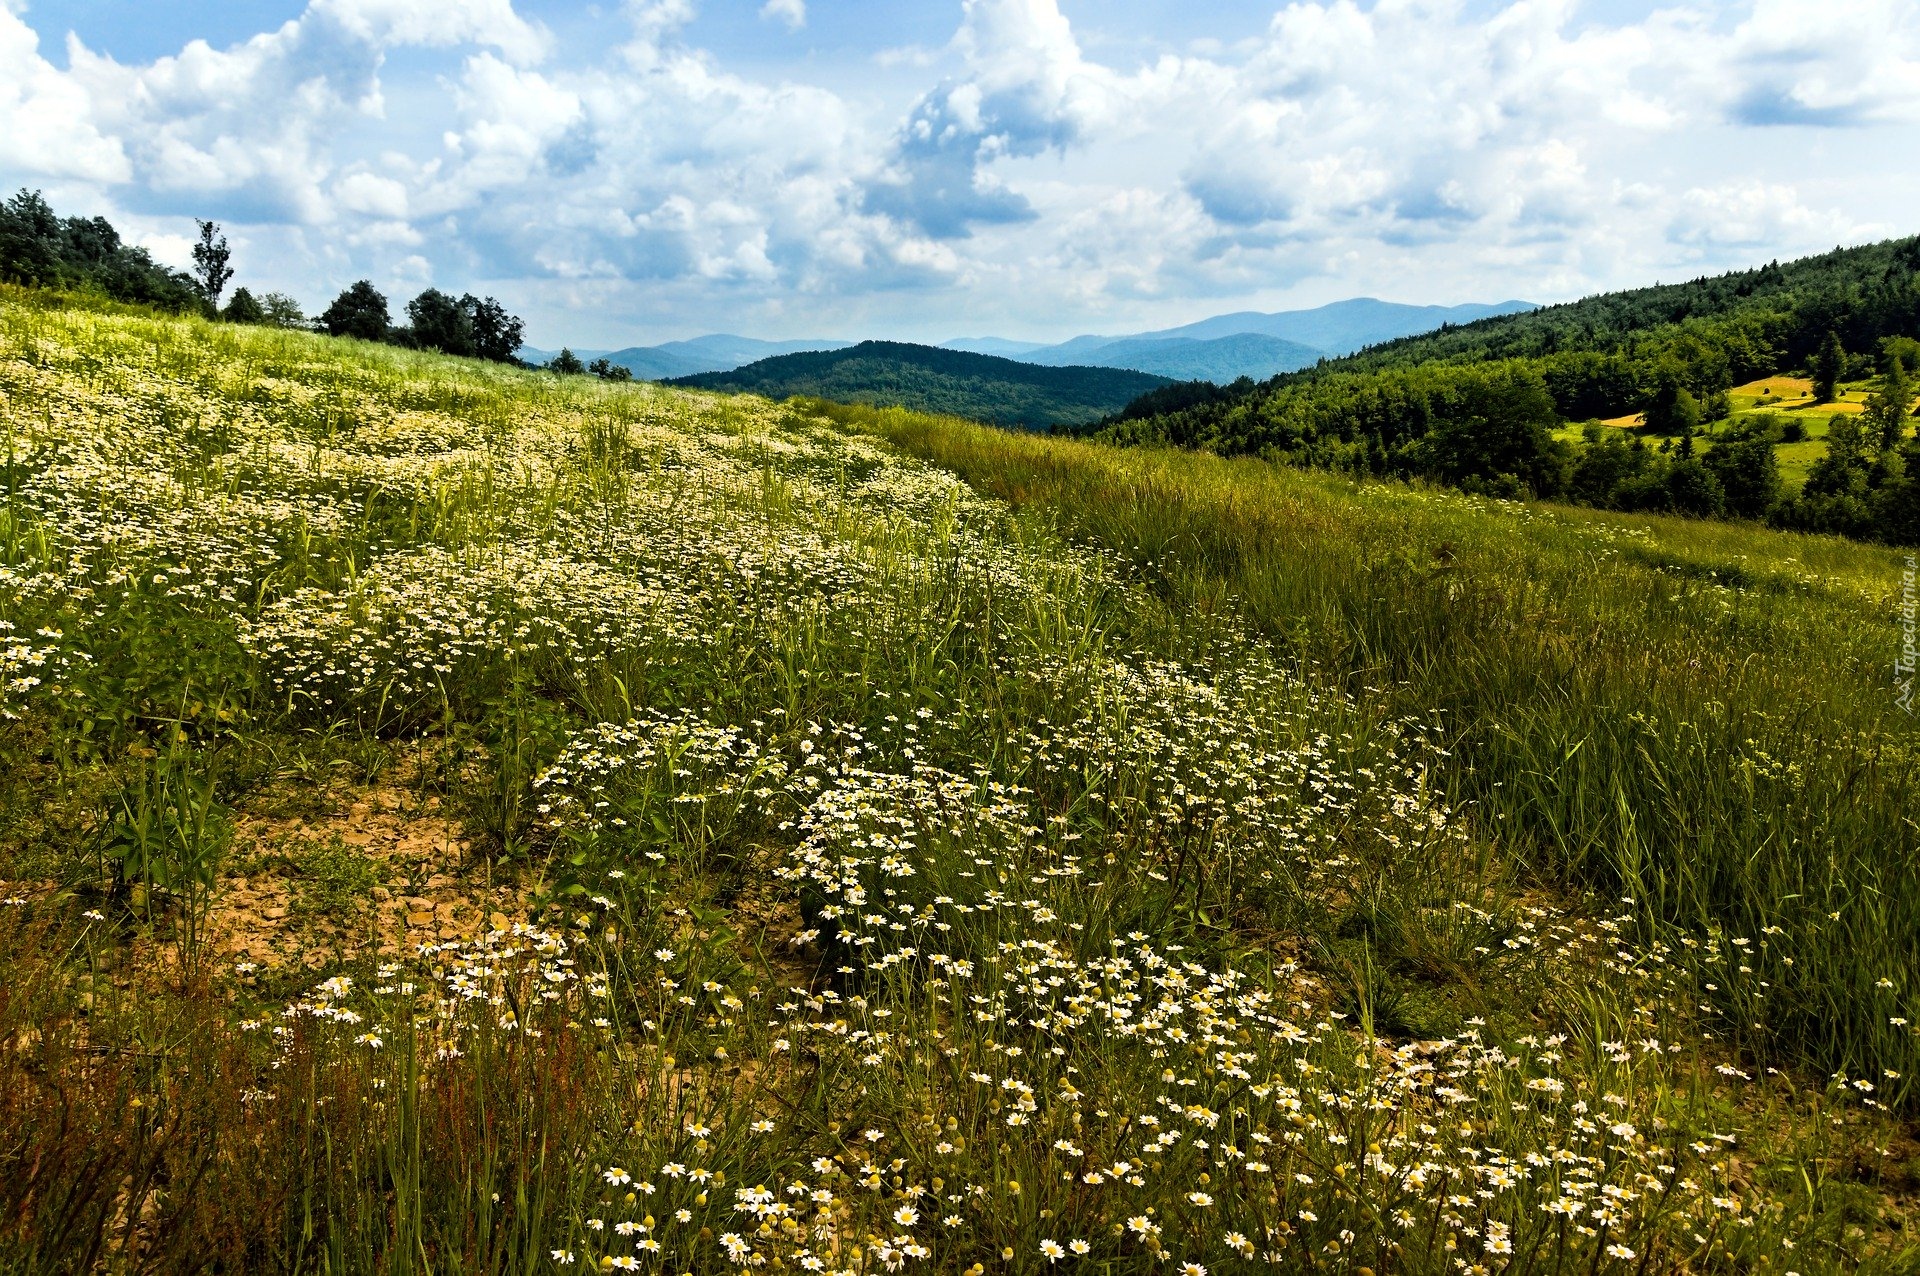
1219 359
1295 339
935 379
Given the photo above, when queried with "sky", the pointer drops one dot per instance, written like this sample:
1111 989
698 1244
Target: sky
635 171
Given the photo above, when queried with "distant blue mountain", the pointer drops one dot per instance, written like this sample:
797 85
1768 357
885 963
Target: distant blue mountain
1222 359
540 358
1343 326
1248 343
1221 349
651 363
722 352
719 352
1000 347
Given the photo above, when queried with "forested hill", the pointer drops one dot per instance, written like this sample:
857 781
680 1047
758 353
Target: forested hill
1668 386
1861 293
929 379
1599 357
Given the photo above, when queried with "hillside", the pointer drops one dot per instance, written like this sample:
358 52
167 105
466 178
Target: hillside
930 379
1479 405
1863 294
462 818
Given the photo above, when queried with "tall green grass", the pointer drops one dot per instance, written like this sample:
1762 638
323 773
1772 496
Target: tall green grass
1694 716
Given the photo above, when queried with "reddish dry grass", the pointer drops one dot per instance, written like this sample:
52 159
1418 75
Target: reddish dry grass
145 1132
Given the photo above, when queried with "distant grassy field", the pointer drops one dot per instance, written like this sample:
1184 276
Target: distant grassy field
1783 398
1793 396
460 819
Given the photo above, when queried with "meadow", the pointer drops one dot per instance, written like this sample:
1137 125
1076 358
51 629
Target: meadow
1779 401
461 819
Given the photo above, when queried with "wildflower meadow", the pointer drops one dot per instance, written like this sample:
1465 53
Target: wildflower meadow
457 818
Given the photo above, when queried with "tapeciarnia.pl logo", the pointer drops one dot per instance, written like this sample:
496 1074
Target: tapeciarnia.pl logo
1905 660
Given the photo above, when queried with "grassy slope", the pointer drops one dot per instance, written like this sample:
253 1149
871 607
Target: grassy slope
1696 715
904 789
929 379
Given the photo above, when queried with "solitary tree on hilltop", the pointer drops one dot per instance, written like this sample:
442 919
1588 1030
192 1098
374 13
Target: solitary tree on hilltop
211 272
566 362
360 312
1828 364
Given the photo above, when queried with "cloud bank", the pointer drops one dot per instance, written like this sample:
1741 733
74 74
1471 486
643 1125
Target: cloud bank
622 180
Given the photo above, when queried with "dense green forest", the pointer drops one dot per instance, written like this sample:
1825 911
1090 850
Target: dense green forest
1484 405
929 379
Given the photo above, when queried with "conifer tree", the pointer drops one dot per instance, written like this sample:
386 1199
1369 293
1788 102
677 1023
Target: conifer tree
1828 365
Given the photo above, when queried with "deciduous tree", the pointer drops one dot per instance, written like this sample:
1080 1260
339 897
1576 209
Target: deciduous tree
360 311
441 323
244 308
1887 405
497 335
282 311
211 271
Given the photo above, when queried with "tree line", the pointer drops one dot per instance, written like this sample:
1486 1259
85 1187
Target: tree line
39 248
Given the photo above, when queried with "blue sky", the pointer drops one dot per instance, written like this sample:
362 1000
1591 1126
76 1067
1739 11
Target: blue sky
638 170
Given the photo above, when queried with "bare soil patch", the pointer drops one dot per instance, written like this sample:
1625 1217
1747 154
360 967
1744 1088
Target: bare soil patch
369 872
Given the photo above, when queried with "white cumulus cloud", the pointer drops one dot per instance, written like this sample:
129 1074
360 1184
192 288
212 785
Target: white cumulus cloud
1027 174
791 12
